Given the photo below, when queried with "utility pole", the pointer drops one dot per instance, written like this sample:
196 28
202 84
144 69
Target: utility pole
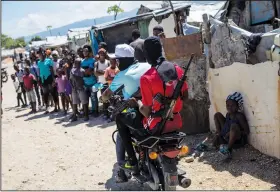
174 15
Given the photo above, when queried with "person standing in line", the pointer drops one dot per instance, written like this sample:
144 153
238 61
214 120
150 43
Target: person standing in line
28 80
18 90
89 78
138 46
45 66
56 61
60 82
100 67
19 74
34 70
78 90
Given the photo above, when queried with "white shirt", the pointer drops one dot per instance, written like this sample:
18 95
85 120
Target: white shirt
19 75
17 87
56 65
102 66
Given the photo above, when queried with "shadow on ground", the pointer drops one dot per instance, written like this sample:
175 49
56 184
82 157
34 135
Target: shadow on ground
245 160
131 185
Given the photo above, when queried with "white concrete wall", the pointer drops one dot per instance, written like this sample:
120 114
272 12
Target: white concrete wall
260 87
167 24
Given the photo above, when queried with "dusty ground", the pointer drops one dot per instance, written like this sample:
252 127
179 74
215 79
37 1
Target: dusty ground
45 152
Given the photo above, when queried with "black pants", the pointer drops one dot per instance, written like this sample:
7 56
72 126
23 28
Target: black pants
19 98
49 89
124 121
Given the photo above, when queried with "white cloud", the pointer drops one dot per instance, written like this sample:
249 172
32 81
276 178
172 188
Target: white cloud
70 12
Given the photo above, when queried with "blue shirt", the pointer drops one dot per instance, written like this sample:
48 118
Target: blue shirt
44 67
89 63
130 78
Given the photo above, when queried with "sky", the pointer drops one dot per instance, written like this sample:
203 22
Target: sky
23 18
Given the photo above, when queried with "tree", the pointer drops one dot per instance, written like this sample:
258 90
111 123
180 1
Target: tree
115 9
10 43
36 38
19 42
49 27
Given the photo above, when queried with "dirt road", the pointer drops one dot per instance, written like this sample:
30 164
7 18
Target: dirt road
45 152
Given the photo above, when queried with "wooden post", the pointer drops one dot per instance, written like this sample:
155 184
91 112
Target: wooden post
175 18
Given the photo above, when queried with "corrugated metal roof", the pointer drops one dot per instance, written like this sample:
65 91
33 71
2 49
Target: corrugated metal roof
7 52
79 33
155 13
81 29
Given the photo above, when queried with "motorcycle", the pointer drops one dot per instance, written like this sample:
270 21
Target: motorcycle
4 74
157 160
156 155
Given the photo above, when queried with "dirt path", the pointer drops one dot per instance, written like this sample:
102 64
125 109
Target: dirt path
45 152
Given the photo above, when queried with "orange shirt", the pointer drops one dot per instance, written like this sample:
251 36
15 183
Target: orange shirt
109 72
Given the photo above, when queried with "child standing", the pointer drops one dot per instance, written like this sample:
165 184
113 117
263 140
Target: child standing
18 90
28 81
110 73
79 93
61 82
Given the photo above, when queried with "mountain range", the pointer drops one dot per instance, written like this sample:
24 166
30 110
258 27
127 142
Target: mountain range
84 23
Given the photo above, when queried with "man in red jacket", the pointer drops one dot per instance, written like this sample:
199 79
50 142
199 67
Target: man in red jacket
160 79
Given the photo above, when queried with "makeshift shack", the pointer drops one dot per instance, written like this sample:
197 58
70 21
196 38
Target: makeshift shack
119 31
78 37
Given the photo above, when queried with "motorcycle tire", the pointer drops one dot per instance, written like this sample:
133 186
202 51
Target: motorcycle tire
163 182
4 77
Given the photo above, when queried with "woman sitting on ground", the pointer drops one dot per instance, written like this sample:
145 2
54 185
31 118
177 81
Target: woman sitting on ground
232 129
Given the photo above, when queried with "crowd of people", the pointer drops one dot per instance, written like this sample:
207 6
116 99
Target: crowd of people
70 79
76 78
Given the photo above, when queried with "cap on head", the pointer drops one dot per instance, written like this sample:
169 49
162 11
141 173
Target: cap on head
123 51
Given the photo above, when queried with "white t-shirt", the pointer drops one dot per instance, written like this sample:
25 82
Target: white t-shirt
17 87
102 66
56 65
19 75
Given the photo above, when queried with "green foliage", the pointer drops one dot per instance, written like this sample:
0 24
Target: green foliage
36 38
10 43
115 9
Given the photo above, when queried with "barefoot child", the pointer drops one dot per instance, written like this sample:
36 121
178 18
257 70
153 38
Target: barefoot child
28 81
18 90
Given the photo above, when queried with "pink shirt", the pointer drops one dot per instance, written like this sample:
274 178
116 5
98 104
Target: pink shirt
61 83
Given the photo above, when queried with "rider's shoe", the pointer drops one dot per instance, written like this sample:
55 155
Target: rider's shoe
121 177
129 167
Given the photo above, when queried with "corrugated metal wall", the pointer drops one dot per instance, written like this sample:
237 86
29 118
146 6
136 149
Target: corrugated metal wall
118 35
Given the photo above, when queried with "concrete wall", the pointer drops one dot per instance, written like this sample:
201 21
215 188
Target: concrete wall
260 87
195 110
167 24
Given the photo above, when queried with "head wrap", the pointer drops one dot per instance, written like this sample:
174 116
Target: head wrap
236 96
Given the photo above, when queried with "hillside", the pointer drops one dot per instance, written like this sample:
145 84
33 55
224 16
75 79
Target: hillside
84 23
